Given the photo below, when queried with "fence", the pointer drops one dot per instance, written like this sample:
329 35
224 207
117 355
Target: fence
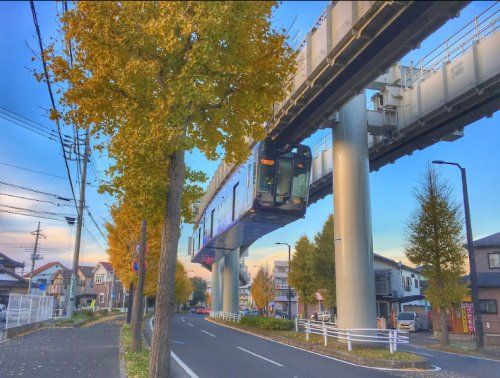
360 335
26 309
226 316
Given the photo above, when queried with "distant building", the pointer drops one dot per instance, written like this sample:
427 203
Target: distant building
280 279
108 289
487 251
59 288
398 288
43 275
10 282
245 297
85 292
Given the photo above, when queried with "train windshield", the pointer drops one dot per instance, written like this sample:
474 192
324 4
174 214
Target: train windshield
300 181
284 177
267 173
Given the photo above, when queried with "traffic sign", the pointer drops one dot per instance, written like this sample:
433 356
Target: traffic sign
135 265
42 286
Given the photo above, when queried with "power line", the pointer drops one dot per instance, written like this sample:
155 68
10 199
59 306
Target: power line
35 191
95 223
34 199
47 79
33 170
36 211
31 215
41 133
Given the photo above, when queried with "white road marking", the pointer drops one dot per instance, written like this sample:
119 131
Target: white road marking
456 354
189 324
186 368
208 333
182 318
262 357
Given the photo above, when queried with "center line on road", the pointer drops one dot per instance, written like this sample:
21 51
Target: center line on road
189 324
262 357
182 318
208 333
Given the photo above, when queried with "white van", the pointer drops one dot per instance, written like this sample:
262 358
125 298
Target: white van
408 321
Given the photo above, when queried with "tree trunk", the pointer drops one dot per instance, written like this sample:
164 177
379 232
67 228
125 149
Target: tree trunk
443 324
138 297
306 316
159 364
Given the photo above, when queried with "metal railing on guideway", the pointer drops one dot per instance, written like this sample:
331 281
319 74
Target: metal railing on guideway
226 316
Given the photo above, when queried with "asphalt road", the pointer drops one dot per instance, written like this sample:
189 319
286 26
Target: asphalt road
210 350
89 351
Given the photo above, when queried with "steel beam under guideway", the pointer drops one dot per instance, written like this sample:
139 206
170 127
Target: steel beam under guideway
353 231
217 285
231 282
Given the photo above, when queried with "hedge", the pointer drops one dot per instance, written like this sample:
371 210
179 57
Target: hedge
267 323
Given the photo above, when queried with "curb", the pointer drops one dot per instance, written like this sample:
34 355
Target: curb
358 360
121 357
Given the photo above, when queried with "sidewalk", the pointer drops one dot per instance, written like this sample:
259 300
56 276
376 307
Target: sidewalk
89 351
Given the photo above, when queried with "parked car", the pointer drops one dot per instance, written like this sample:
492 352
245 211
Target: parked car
3 312
323 316
249 312
280 314
409 321
206 311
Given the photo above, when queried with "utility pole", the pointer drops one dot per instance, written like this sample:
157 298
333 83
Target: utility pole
34 256
79 224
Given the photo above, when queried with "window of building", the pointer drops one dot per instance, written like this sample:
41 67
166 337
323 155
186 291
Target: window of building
488 306
494 260
416 283
99 278
101 297
406 283
212 216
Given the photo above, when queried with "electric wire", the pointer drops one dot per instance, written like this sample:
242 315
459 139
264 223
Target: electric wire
47 79
34 199
33 170
35 191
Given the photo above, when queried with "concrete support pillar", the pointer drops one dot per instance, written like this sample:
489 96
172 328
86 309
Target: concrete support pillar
217 285
231 282
355 277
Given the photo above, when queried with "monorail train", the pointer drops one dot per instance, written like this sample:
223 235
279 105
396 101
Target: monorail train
263 194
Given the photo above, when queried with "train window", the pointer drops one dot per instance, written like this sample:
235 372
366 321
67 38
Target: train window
300 180
266 176
249 167
235 197
199 238
284 180
212 216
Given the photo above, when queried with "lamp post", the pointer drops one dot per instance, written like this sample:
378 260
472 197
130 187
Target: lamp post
288 282
472 261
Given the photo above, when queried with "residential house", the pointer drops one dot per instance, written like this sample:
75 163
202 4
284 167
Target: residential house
280 278
59 287
43 275
487 257
398 288
10 282
245 297
85 292
108 289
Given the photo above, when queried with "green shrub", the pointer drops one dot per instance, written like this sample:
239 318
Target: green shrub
88 313
275 324
103 312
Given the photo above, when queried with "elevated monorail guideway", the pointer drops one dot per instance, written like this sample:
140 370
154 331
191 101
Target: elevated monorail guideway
352 44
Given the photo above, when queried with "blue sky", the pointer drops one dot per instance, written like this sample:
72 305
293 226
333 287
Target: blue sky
391 187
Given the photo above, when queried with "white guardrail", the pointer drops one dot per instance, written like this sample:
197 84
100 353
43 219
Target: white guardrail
361 335
27 309
226 316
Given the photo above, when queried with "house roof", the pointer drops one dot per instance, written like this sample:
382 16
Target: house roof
376 256
106 266
8 262
488 241
86 270
44 267
21 281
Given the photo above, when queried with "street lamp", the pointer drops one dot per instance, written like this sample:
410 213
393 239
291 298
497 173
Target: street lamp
472 261
288 282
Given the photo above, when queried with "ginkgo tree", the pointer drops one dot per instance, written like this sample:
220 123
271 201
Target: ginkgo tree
162 78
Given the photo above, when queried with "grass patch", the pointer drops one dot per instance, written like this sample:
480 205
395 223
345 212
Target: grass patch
375 353
137 363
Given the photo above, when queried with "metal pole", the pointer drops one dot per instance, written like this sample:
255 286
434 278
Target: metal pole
472 261
130 301
289 288
79 223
